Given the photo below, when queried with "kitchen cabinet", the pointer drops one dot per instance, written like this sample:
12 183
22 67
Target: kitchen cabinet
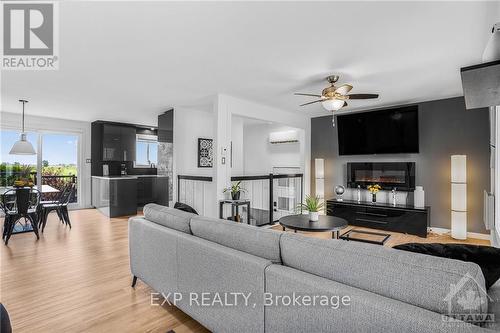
118 143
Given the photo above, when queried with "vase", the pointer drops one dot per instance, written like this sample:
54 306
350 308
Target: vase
313 216
374 197
236 196
419 197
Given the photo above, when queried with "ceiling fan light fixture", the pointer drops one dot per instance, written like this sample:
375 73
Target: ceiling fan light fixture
332 104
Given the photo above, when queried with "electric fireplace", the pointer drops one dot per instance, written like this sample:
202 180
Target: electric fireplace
389 175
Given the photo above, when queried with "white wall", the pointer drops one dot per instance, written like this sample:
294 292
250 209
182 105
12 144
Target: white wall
225 107
237 152
45 124
260 156
189 125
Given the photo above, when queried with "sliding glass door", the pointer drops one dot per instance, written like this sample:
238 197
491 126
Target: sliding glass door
59 155
56 162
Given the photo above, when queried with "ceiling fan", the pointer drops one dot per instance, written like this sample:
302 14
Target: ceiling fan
334 98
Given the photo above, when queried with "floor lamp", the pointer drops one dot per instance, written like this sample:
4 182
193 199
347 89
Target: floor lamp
319 176
459 196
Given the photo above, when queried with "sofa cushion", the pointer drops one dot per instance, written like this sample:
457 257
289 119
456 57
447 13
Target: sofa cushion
260 242
414 278
487 257
168 217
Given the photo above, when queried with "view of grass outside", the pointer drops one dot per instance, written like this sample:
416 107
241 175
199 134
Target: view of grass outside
59 163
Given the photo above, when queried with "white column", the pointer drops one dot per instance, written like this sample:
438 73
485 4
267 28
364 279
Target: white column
222 168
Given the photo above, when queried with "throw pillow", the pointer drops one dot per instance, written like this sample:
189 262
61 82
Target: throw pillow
184 207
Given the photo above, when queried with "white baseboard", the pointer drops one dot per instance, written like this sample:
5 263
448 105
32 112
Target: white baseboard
475 235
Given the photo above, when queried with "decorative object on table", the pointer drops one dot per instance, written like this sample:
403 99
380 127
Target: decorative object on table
23 146
235 190
359 193
486 257
313 205
184 207
373 189
419 197
459 196
339 190
24 179
393 192
205 153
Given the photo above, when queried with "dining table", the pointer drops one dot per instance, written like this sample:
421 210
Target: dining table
21 227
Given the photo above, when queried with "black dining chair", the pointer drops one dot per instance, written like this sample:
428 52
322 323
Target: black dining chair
26 203
54 200
60 206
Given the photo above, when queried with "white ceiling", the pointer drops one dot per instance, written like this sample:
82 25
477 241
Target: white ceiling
128 61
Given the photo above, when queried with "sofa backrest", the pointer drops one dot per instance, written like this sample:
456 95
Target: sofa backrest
260 242
417 279
168 217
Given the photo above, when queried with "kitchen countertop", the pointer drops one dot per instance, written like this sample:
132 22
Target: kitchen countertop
127 177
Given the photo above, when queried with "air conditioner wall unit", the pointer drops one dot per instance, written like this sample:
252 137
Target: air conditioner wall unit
283 137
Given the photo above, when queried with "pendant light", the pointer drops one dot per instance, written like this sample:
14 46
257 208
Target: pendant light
23 146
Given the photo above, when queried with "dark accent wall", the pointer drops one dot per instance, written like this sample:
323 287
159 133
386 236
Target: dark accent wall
445 128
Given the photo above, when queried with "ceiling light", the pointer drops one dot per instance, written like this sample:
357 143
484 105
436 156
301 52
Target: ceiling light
23 146
332 104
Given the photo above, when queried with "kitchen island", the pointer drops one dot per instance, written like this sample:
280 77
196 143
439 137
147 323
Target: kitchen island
122 195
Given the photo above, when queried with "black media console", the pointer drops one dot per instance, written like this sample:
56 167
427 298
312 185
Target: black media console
383 216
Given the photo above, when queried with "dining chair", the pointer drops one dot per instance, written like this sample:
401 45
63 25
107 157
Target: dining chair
55 200
26 203
60 206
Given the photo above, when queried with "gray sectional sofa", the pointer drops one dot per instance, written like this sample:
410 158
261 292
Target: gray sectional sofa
202 264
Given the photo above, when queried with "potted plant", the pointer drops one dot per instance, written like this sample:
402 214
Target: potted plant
313 205
235 190
373 189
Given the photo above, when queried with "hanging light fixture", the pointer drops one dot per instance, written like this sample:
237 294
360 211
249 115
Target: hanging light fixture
332 104
23 146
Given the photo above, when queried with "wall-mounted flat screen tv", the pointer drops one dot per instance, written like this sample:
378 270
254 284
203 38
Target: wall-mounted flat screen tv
389 131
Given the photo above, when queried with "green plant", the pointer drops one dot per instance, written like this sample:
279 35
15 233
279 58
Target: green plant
235 188
312 204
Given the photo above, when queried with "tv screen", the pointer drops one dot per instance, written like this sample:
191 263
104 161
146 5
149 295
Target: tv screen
391 131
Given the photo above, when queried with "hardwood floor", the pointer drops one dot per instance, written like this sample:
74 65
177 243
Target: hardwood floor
78 280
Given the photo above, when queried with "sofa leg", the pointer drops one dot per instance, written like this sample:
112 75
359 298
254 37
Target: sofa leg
134 281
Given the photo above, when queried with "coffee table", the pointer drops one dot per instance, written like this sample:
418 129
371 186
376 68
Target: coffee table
325 223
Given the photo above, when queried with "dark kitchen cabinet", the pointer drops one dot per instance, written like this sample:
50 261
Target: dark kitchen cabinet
118 143
145 190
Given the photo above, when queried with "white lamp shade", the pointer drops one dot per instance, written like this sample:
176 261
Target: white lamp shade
458 169
320 188
459 225
459 197
332 104
22 147
319 167
492 50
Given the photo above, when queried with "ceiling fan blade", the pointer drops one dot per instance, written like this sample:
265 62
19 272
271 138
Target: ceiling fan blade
319 100
362 96
343 89
312 95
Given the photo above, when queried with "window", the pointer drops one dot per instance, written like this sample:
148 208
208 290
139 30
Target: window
146 150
